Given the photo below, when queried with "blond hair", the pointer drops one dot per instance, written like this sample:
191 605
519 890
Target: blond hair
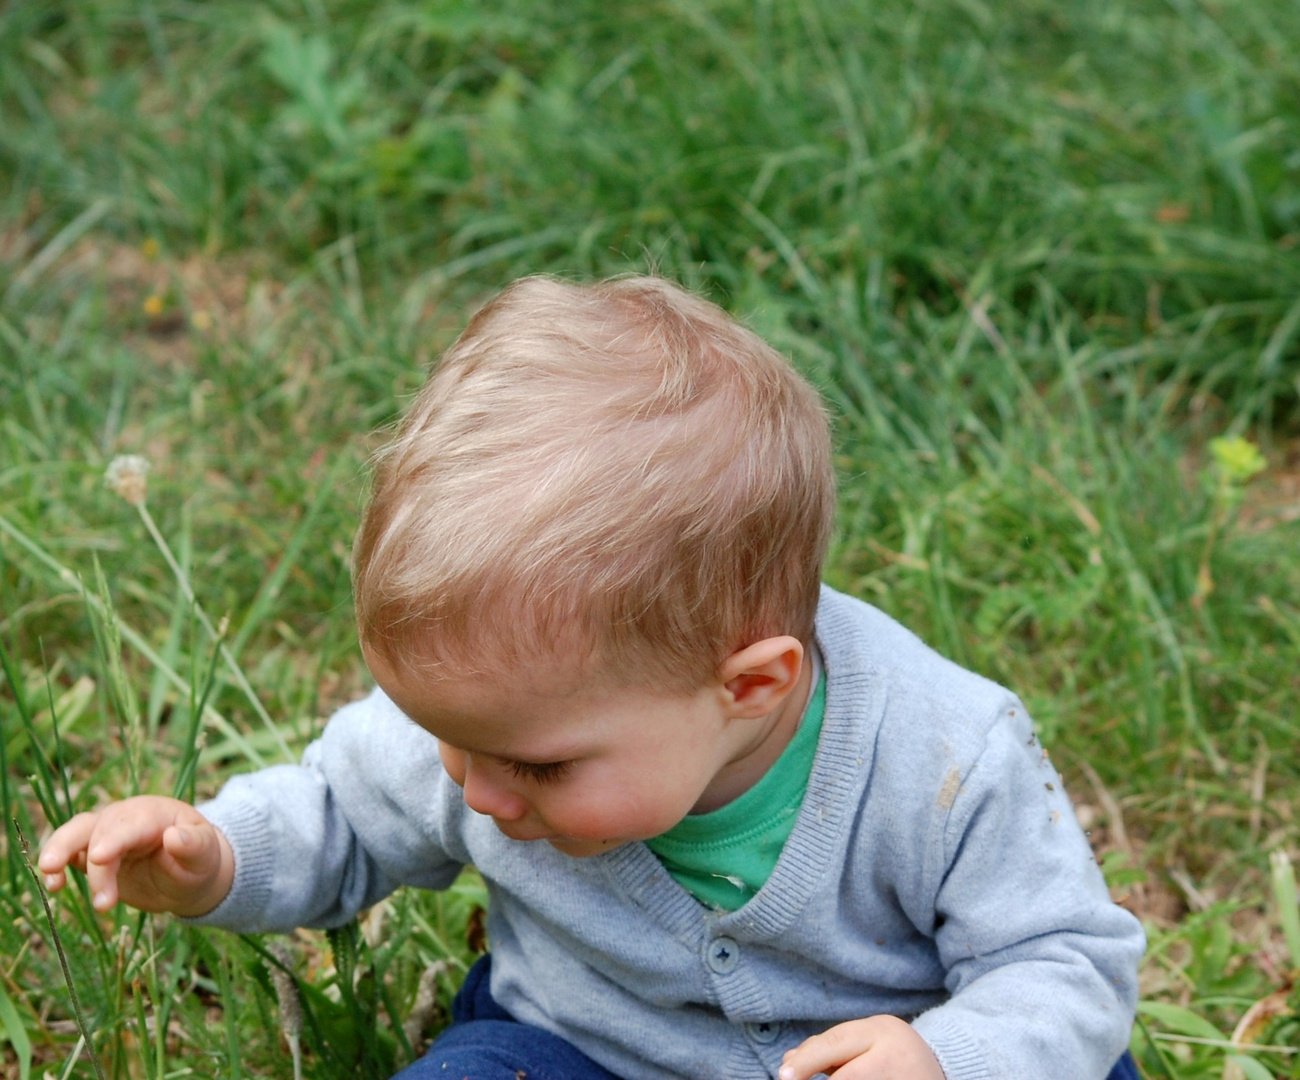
619 469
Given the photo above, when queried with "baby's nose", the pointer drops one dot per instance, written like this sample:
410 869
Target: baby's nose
485 794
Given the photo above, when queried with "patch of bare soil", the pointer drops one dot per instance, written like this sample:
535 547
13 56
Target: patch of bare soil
166 307
1273 497
177 304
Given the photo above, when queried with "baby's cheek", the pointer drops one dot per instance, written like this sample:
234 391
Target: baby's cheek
453 761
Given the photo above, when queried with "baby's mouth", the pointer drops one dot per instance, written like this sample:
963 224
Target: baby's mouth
569 845
525 836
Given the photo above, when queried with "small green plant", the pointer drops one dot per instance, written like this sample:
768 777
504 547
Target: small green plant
1235 462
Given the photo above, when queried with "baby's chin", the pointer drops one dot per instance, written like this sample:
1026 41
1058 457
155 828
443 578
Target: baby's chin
582 849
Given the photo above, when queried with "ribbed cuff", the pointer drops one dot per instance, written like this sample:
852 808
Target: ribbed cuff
246 831
958 1055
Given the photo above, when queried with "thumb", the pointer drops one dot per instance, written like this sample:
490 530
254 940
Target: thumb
193 847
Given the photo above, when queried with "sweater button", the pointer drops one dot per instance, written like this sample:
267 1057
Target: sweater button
723 955
764 1031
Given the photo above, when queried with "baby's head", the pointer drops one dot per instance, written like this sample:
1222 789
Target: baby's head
617 475
592 558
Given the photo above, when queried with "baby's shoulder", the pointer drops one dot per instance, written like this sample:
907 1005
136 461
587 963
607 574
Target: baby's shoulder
927 719
869 654
939 748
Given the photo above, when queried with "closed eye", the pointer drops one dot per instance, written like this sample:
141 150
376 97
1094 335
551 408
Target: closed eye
541 772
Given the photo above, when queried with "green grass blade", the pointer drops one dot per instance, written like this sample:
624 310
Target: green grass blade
59 766
49 254
6 806
108 637
11 1024
42 780
264 602
63 959
237 673
1250 1068
183 788
1282 876
171 650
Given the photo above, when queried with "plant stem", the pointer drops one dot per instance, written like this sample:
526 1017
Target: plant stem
58 947
219 638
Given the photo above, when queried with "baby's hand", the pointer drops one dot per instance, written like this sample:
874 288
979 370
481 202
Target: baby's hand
154 853
877 1048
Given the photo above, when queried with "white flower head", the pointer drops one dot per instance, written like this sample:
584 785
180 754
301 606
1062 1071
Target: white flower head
126 476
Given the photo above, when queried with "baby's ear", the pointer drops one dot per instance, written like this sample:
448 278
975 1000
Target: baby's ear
757 678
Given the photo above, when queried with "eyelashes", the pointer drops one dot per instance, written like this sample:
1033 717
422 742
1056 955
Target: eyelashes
546 773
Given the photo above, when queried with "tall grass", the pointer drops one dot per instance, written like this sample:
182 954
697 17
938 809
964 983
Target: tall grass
1037 256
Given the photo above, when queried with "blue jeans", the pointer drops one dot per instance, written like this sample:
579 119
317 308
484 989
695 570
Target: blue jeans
484 1042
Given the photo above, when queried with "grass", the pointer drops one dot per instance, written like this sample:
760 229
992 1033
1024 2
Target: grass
1037 257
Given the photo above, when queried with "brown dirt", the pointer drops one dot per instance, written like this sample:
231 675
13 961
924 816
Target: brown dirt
167 306
1273 497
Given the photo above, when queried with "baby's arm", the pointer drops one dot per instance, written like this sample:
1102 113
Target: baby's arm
368 809
1041 966
154 853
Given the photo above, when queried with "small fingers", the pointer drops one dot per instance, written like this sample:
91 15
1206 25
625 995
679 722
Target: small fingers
66 847
134 826
102 879
834 1047
875 1048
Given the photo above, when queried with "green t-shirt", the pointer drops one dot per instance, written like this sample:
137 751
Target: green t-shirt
722 858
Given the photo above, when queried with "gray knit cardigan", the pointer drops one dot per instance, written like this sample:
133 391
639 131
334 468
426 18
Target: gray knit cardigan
935 872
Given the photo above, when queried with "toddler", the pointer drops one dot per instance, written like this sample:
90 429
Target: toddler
733 824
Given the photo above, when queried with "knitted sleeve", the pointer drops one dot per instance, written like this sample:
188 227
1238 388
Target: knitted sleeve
1041 965
315 843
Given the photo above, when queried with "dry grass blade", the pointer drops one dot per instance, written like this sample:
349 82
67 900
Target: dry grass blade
286 993
58 946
